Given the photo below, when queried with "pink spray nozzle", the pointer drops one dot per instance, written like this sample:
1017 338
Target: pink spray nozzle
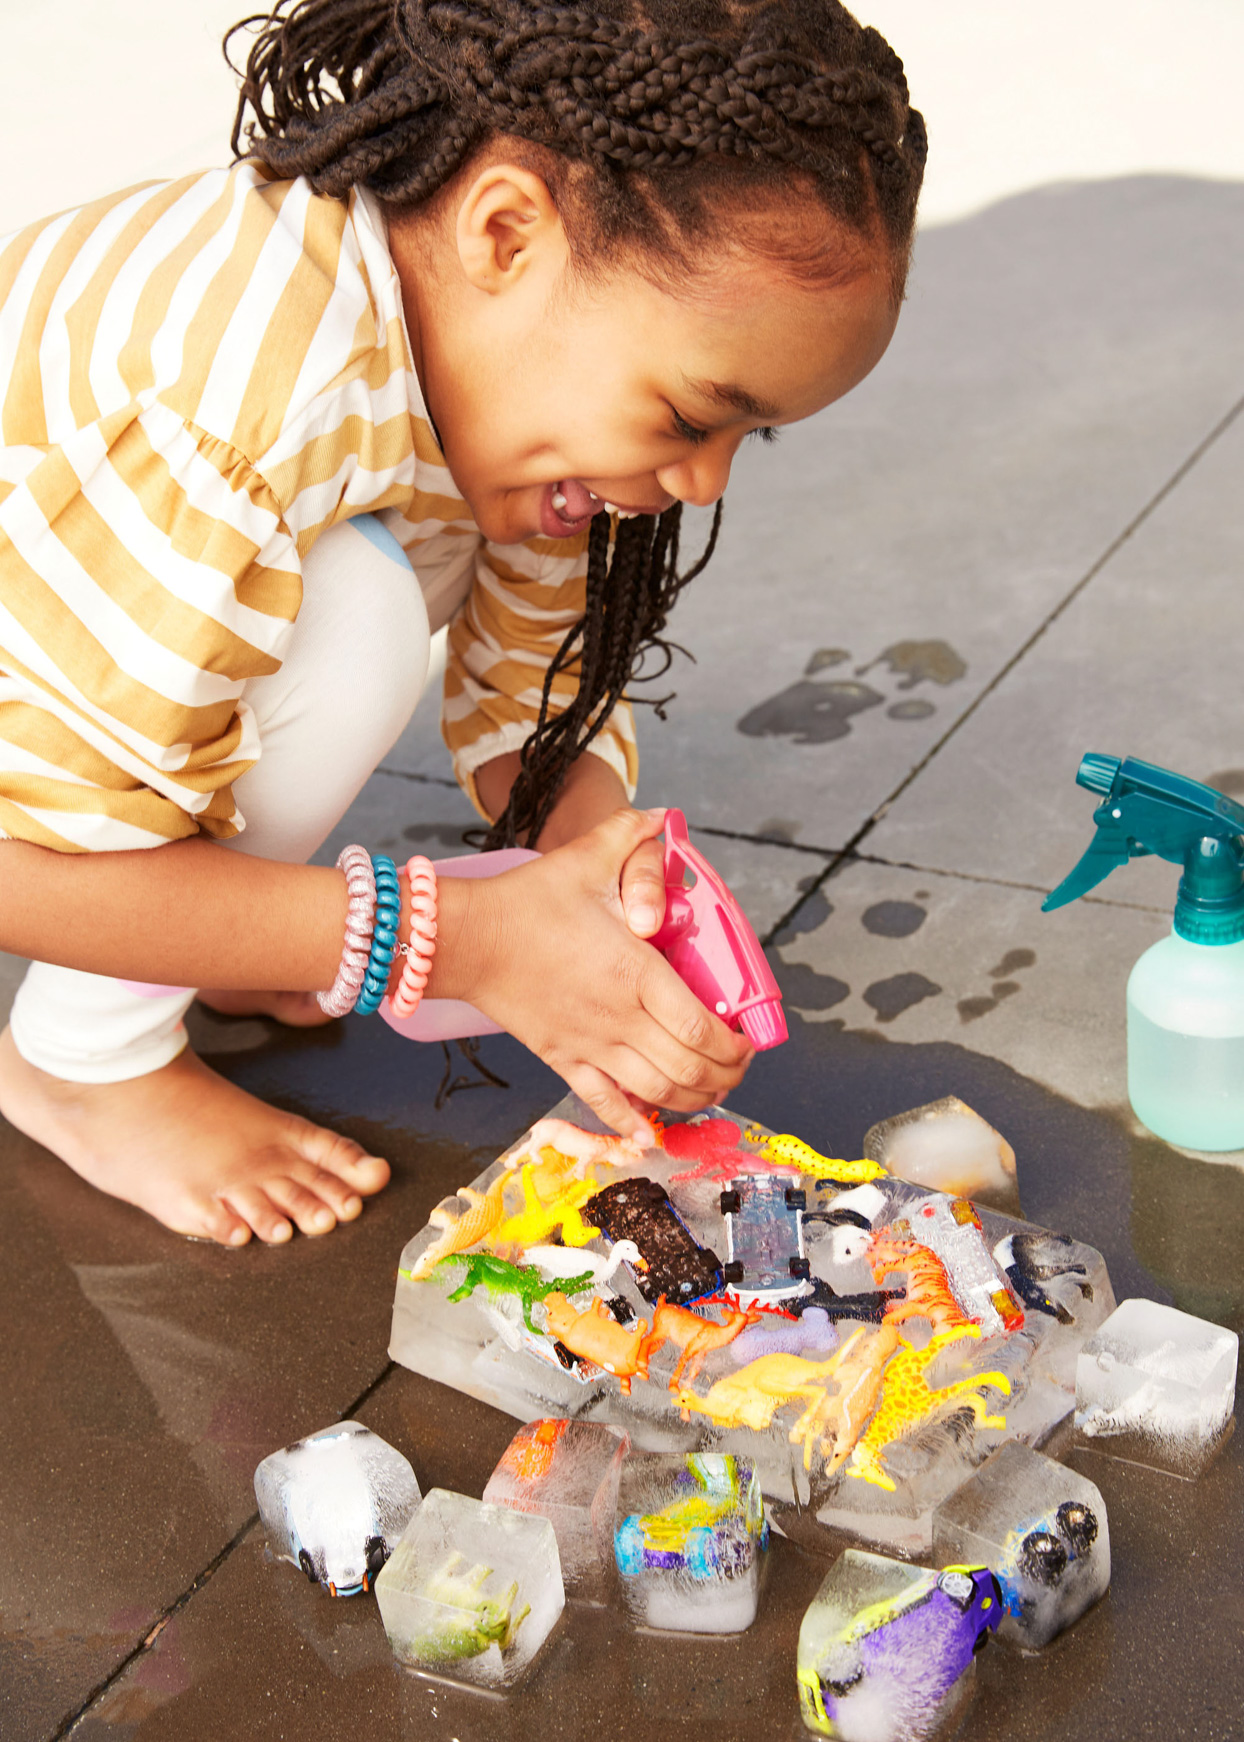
764 1024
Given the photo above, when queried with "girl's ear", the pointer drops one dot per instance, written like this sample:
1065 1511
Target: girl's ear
508 226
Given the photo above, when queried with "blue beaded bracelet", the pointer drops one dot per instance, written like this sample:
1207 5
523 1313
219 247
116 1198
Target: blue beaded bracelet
383 937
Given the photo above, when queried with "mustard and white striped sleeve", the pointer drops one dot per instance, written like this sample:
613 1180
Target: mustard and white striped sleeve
524 601
195 379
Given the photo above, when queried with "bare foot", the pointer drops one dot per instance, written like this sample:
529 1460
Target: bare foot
198 1154
295 1009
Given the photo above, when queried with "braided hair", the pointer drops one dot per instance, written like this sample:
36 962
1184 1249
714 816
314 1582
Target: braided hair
653 122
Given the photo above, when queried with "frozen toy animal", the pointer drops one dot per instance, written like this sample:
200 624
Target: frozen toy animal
542 1214
558 1262
697 1337
584 1148
835 1420
475 1620
499 1276
752 1396
596 1335
907 1402
929 1294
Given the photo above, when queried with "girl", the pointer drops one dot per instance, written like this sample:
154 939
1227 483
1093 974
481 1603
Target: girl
492 290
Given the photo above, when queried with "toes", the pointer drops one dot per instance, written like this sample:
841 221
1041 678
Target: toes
309 1211
216 1222
258 1211
345 1160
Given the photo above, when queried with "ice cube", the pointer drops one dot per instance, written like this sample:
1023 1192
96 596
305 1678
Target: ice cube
689 1541
336 1503
1156 1386
1041 1528
887 1650
948 1147
567 1472
471 1592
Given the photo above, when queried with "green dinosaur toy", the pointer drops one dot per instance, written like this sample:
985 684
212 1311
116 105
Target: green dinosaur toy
499 1276
481 1621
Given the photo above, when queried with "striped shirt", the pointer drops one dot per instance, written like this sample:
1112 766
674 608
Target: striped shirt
197 379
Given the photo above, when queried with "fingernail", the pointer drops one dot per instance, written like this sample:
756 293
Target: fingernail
644 919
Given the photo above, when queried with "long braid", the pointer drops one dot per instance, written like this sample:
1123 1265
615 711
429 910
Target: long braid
756 99
627 603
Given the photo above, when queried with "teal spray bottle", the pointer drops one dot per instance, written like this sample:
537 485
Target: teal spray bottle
1185 996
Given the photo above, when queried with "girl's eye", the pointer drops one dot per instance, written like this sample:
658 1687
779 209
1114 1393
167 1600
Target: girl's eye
766 433
688 431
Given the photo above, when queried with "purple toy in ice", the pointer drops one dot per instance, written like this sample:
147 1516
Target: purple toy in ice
884 1644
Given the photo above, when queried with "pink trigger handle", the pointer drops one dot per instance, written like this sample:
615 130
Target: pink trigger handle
708 942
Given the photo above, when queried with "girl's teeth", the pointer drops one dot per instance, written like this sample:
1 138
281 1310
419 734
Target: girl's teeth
559 501
611 508
626 513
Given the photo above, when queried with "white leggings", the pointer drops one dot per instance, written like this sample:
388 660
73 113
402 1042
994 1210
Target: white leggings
357 665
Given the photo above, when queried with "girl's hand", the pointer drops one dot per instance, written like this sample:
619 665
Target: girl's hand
643 886
546 950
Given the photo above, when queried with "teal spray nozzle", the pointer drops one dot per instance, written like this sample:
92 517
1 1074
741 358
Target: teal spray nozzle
1185 996
1150 810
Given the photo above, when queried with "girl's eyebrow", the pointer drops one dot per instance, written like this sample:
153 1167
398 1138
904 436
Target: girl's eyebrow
737 398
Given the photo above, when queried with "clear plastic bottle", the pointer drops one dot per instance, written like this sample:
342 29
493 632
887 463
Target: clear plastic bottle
1185 997
1185 1042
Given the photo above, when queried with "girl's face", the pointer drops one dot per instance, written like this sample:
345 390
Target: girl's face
556 398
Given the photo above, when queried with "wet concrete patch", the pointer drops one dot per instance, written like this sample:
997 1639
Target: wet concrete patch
891 997
893 919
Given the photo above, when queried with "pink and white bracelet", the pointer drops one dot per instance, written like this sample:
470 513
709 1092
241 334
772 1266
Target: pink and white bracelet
343 994
421 946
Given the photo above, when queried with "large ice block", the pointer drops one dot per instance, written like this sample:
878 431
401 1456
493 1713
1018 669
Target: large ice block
887 1651
1156 1386
689 1540
567 1472
864 1379
471 1592
1041 1528
946 1145
336 1503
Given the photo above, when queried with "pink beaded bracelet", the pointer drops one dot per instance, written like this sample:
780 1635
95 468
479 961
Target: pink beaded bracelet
343 994
421 947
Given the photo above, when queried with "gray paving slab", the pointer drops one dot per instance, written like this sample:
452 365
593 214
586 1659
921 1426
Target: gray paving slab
920 957
1144 662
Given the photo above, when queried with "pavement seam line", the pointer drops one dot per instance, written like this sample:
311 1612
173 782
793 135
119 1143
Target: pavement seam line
1112 549
193 1588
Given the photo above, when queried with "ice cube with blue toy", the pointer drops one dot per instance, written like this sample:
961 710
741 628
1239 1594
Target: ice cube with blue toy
689 1541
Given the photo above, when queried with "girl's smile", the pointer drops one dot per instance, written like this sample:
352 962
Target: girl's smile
559 396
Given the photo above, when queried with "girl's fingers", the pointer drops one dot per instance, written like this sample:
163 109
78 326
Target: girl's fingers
693 1027
607 1101
640 1077
643 889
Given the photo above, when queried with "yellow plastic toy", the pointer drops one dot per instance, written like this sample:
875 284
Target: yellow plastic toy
793 1152
907 1402
548 1204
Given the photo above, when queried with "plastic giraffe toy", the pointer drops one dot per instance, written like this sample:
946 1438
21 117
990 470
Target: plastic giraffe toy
908 1402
